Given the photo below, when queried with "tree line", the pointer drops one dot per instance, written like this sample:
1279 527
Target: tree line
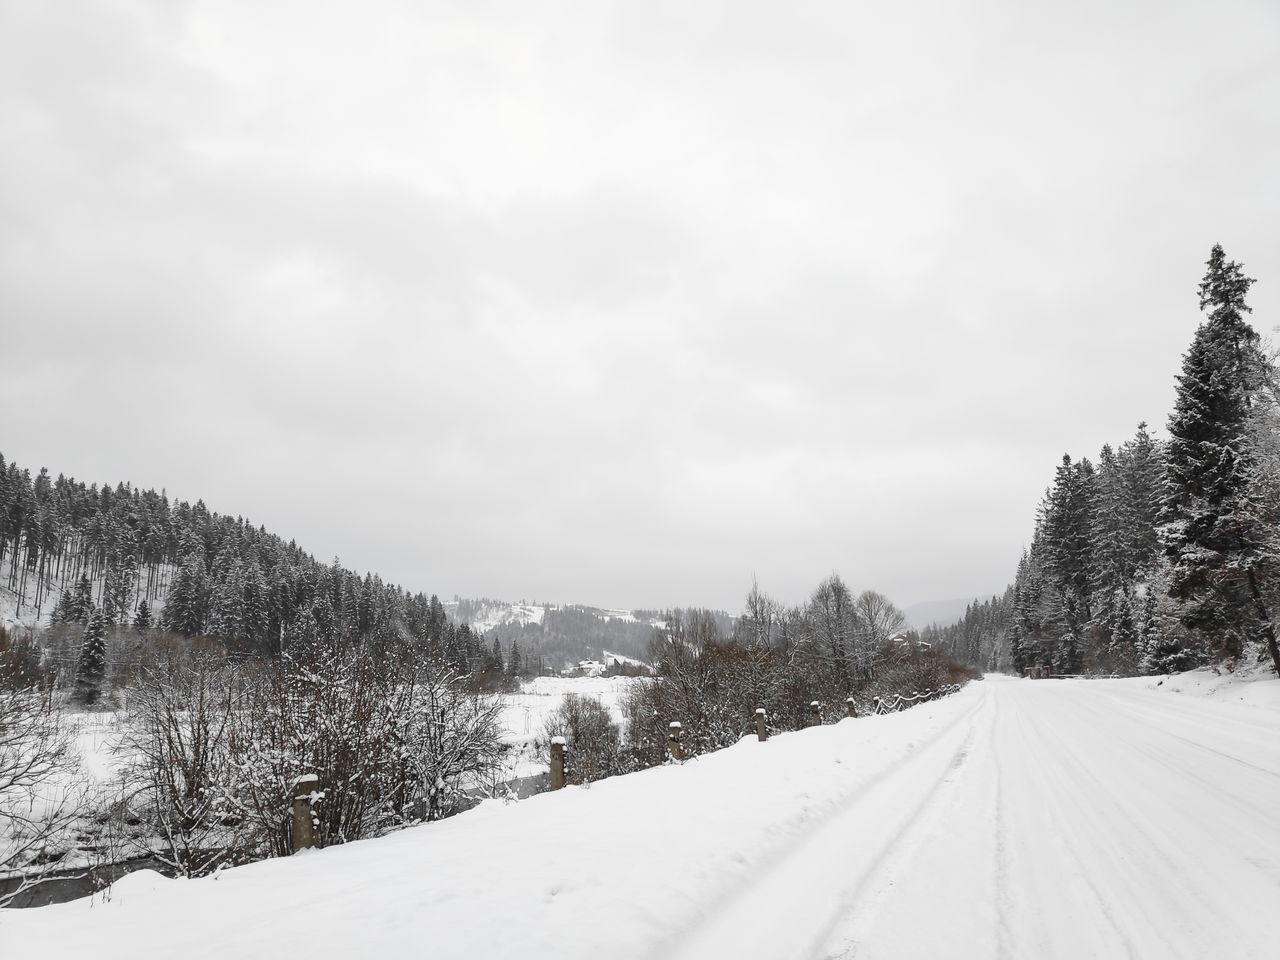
836 646
1165 554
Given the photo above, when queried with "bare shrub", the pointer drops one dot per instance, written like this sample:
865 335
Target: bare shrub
40 799
183 707
592 738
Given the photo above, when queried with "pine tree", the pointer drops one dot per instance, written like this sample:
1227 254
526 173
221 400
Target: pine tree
1141 462
1111 548
62 610
117 587
186 610
1067 519
1123 633
1066 659
1213 532
82 603
227 609
142 620
92 667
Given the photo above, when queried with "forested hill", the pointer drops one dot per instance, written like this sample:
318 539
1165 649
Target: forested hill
69 550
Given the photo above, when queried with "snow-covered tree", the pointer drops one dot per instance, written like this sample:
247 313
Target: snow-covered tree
91 669
1222 556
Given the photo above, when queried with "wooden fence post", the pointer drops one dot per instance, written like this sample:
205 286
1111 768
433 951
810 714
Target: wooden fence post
851 707
675 739
815 708
762 731
302 830
557 763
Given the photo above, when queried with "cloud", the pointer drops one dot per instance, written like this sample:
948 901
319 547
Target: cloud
619 303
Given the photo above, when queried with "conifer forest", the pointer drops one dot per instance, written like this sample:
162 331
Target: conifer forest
1164 553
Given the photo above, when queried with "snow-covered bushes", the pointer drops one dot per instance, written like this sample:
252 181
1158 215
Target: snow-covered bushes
220 747
592 738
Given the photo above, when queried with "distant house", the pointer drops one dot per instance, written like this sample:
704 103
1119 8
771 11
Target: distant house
584 668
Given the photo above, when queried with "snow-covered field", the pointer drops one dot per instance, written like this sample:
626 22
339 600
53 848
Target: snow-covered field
1014 819
524 714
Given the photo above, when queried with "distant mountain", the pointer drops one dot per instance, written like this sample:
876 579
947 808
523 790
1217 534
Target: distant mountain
940 612
566 633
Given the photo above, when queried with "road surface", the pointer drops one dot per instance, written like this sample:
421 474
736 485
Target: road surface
1054 819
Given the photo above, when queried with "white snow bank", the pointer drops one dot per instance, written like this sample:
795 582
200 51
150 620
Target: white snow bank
1256 686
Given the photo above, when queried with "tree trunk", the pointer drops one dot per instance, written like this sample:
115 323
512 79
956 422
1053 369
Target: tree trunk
1268 628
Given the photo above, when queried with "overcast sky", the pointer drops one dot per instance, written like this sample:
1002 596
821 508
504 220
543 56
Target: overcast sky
621 303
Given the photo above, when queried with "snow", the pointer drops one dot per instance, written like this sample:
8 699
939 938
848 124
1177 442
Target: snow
493 615
1016 818
524 714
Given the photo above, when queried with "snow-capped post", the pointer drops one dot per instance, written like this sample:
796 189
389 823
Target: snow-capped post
302 833
675 739
762 731
815 709
557 763
851 707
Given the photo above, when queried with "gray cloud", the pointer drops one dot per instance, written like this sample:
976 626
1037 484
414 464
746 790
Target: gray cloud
620 303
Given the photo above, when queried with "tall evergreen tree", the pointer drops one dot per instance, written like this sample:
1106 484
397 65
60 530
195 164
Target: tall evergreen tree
1111 549
1141 462
92 666
186 610
82 602
142 620
1222 567
1067 520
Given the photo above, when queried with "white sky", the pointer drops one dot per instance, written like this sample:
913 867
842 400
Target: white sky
621 303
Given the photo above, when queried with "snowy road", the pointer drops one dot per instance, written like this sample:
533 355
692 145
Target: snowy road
1021 819
1055 819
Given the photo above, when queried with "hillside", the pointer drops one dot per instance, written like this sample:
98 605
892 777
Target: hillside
566 633
1091 827
68 548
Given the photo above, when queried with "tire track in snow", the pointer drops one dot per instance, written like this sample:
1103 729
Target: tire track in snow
744 922
1004 900
1055 789
860 908
1144 881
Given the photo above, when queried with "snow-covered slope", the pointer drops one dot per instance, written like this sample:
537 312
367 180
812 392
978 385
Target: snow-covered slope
483 615
1015 819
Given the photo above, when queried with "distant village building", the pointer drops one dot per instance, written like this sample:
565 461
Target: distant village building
585 668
